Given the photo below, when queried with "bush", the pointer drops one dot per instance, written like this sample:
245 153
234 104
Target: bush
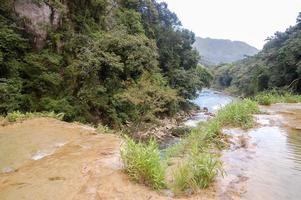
142 163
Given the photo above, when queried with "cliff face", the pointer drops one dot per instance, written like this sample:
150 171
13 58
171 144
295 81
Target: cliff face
39 17
87 58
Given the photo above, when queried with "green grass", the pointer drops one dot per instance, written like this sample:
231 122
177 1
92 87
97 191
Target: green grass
18 116
143 164
264 99
197 155
238 114
198 171
268 98
103 129
201 165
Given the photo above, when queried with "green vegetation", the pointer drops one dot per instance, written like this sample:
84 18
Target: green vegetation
142 163
268 98
199 164
264 99
276 67
103 129
195 160
105 62
239 114
18 116
197 172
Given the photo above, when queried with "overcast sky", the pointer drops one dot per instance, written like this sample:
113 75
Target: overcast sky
251 21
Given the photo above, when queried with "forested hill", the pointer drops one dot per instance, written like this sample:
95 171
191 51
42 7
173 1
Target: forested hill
216 51
109 61
277 66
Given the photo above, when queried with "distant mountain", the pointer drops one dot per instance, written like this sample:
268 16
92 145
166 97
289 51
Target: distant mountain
216 51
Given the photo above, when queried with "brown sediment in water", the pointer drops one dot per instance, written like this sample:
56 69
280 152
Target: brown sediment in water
84 166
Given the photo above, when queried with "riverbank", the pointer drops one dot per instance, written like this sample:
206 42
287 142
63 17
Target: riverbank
43 158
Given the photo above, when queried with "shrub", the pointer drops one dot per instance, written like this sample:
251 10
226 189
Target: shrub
142 163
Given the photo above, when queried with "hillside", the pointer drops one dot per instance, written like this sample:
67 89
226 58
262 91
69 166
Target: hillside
216 51
99 61
277 66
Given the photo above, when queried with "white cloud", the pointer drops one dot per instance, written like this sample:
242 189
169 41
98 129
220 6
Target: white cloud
251 21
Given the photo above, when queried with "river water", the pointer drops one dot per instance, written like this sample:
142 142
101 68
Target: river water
268 166
212 100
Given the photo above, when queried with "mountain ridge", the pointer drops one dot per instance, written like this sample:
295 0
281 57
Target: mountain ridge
217 51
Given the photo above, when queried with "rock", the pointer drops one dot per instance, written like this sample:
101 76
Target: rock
39 17
8 170
168 193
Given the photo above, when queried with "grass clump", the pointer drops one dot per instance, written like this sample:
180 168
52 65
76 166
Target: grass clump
238 114
198 171
18 116
104 129
201 165
142 163
194 161
268 98
264 99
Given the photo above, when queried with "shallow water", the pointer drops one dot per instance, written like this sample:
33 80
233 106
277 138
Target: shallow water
212 100
270 167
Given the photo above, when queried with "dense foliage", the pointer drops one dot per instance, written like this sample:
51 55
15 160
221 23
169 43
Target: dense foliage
277 66
109 61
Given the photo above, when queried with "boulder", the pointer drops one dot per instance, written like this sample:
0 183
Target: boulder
39 17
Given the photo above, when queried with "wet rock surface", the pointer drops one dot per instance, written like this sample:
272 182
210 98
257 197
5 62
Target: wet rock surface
83 165
262 163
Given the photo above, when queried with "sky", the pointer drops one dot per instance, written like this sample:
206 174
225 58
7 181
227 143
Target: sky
251 21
